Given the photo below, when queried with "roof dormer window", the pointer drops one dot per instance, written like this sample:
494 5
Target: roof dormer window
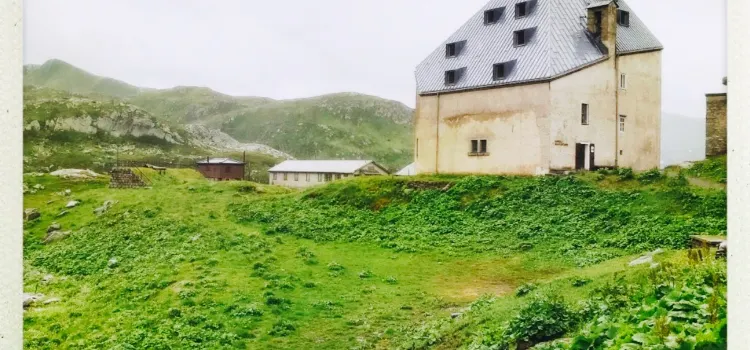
525 8
453 76
454 49
500 71
623 18
494 15
523 36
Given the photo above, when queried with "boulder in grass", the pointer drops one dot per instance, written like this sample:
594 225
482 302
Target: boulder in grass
31 214
72 204
30 299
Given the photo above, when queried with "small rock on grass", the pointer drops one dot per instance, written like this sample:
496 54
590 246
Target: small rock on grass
72 204
55 236
646 259
31 214
51 300
54 227
29 299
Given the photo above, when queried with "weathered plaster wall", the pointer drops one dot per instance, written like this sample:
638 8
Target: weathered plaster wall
594 86
716 124
513 120
640 102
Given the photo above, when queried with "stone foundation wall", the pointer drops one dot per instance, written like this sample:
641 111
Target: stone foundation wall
716 124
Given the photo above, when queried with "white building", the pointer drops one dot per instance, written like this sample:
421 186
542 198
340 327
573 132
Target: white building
305 173
408 170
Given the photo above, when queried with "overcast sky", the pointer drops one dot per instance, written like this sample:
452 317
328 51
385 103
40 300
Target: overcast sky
301 48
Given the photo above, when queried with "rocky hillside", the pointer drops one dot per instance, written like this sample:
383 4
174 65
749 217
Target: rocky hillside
62 129
334 126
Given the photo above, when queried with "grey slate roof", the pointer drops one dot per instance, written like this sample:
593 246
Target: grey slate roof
320 166
219 161
558 47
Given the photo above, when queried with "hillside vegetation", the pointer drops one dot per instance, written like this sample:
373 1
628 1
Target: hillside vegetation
338 126
381 262
65 130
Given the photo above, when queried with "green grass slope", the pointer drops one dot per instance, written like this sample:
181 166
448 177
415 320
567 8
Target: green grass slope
426 262
338 126
193 104
60 75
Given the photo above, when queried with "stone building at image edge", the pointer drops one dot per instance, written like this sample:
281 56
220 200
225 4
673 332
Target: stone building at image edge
538 87
716 123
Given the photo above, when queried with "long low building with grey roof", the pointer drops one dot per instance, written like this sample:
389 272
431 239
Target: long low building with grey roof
538 87
306 173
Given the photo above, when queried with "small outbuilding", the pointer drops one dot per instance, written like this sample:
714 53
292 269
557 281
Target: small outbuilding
221 169
305 173
408 170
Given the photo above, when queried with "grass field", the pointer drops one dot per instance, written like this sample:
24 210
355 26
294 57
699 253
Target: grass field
363 263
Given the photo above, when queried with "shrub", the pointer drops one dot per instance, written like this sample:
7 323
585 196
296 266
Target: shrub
650 176
580 281
391 280
173 313
366 274
282 328
544 318
334 266
525 288
624 174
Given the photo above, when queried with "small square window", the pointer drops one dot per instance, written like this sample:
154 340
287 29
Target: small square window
584 114
498 71
622 123
519 38
493 16
450 77
521 8
623 18
450 50
474 146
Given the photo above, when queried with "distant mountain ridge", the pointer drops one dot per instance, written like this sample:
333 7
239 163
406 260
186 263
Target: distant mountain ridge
335 126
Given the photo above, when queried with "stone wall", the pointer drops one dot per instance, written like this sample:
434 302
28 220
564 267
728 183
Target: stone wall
716 124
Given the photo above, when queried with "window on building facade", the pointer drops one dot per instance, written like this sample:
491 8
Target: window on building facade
498 71
584 114
450 77
274 176
320 177
296 176
623 81
523 37
521 8
623 18
478 147
454 49
622 123
493 16
284 176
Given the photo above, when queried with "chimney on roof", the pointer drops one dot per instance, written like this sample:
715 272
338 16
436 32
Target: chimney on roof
602 22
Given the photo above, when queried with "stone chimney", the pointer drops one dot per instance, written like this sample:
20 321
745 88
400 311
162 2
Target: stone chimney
602 22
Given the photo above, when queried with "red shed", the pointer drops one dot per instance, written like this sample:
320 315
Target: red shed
222 169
